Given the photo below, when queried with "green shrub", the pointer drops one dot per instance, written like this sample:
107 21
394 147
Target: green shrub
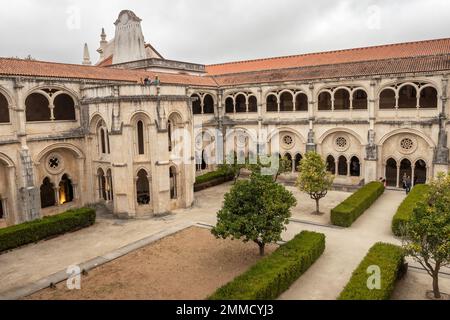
207 177
274 274
405 210
390 259
33 231
350 209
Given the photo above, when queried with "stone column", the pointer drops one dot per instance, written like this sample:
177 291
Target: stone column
348 168
398 175
336 167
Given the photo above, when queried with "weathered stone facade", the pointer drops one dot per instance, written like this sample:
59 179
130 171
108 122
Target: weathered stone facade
75 139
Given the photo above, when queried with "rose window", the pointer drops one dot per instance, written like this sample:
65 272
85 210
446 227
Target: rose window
287 140
341 142
407 144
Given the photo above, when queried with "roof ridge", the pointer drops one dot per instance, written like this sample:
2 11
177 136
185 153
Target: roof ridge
50 62
331 64
326 52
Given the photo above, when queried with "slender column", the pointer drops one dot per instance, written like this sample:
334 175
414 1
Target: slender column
348 168
398 176
336 167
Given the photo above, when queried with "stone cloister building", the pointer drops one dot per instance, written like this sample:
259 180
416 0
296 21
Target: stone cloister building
133 130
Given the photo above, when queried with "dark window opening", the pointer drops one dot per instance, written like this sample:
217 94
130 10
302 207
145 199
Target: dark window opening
252 104
101 184
229 105
65 190
142 188
342 166
241 105
103 140
298 160
301 102
428 98
286 102
407 97
64 108
48 198
331 165
2 213
387 99
4 110
208 104
391 173
109 185
420 172
196 105
271 103
342 100
140 137
355 167
360 100
37 108
324 101
173 183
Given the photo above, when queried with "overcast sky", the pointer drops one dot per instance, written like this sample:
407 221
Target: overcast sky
214 31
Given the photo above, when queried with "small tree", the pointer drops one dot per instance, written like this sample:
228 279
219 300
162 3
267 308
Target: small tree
255 210
314 178
284 166
427 234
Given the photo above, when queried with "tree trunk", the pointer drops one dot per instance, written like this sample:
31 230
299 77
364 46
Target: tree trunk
262 246
437 294
317 206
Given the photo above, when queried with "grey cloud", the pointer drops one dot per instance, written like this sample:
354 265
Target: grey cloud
217 31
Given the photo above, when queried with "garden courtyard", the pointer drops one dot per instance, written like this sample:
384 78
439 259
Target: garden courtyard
172 258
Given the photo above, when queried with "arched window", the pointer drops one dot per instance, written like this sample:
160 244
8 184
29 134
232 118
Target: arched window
391 172
271 103
109 185
48 198
252 104
355 167
407 97
428 98
64 107
37 108
288 157
229 105
331 164
387 99
324 101
65 190
286 102
103 140
420 172
241 104
360 100
140 137
173 183
405 170
298 159
301 102
342 166
196 104
4 109
101 183
341 100
142 188
208 104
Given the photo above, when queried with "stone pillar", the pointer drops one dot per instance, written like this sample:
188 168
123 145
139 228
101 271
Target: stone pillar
348 168
336 167
398 176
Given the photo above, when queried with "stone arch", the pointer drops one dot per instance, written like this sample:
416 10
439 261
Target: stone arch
286 99
272 102
143 193
335 130
252 103
37 107
285 129
341 98
6 160
428 97
407 131
325 100
62 145
301 101
64 106
360 99
208 104
197 104
5 104
240 103
387 98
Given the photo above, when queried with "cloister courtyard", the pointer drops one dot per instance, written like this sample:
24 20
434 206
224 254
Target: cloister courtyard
126 258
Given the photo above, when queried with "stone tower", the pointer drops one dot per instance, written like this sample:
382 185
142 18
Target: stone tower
129 40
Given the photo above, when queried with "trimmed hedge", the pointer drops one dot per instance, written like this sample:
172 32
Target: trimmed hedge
33 231
212 179
405 210
390 259
354 206
274 274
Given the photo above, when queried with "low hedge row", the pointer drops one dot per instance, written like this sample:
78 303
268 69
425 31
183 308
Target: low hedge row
29 232
212 179
405 210
390 259
274 274
354 206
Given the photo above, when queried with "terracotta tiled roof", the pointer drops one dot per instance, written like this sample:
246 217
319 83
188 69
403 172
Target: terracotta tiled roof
333 71
392 51
105 62
17 67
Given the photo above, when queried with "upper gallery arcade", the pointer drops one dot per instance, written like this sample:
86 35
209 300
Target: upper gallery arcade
77 134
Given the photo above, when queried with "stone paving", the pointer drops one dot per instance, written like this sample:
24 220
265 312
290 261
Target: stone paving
345 248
